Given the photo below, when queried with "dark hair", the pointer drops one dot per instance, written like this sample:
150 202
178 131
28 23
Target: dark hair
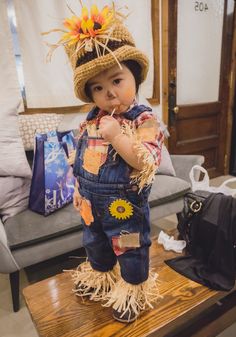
135 69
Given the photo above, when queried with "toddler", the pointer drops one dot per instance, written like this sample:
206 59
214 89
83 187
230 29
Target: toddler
118 152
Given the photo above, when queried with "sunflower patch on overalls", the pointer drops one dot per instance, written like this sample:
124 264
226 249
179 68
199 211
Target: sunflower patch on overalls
119 223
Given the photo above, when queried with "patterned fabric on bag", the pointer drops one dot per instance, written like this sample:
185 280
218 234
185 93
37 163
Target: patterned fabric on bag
53 182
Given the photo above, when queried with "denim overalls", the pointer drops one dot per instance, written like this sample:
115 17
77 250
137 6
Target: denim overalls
110 184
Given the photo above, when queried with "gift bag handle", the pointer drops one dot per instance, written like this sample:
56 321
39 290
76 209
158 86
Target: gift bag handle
202 184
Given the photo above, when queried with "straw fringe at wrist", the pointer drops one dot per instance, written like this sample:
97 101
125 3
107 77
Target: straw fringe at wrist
94 283
146 176
128 298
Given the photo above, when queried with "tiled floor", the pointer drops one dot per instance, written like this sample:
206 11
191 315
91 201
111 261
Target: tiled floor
20 325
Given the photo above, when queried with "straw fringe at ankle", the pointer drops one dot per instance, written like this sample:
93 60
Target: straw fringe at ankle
128 298
94 283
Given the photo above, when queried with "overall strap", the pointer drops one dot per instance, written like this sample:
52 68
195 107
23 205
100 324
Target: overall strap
136 111
92 113
132 114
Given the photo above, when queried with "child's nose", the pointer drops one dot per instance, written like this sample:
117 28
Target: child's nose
110 93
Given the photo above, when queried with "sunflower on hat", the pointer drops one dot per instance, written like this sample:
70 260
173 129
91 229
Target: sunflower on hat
86 30
84 27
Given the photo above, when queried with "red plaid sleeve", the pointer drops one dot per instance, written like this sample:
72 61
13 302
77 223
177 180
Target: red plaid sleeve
82 127
150 134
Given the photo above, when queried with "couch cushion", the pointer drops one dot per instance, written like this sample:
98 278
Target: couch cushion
166 167
37 123
15 173
13 161
14 196
28 227
167 188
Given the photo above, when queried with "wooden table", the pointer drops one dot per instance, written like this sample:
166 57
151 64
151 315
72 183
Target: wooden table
187 309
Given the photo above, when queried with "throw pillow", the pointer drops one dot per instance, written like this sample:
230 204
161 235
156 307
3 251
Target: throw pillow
14 196
37 123
13 160
166 166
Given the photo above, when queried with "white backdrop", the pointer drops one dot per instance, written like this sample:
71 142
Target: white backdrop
9 85
51 84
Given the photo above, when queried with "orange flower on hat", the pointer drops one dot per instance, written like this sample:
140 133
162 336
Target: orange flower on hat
86 26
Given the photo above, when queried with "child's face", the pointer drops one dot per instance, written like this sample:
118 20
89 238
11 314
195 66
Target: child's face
113 88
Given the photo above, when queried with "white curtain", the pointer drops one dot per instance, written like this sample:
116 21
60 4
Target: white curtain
9 84
51 84
46 84
139 24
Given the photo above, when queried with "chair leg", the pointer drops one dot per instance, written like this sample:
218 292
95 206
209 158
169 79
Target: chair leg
15 289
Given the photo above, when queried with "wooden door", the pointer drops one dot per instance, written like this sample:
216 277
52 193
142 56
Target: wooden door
198 80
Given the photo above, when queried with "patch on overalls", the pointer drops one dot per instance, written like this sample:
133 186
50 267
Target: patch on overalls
124 242
86 211
121 209
92 161
95 155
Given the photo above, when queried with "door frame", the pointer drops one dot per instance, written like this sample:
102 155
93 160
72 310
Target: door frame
227 82
232 88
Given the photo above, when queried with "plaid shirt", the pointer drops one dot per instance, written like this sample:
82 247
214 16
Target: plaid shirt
153 146
146 124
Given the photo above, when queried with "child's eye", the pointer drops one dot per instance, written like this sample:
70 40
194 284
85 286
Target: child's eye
117 81
97 88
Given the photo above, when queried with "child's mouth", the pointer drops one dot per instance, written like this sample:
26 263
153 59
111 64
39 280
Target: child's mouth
118 108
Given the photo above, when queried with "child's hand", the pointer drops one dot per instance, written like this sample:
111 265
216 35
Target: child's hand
109 128
77 199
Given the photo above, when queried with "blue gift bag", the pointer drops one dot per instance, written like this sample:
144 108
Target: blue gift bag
52 185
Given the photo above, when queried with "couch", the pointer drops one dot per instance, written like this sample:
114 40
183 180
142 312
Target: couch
29 238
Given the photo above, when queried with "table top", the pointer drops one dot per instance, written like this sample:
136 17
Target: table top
56 311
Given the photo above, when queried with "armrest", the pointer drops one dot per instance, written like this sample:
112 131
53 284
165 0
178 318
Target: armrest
7 261
183 164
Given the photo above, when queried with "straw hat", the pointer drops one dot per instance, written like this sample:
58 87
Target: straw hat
97 42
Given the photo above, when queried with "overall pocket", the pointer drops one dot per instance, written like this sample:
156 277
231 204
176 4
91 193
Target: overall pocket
124 224
122 215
